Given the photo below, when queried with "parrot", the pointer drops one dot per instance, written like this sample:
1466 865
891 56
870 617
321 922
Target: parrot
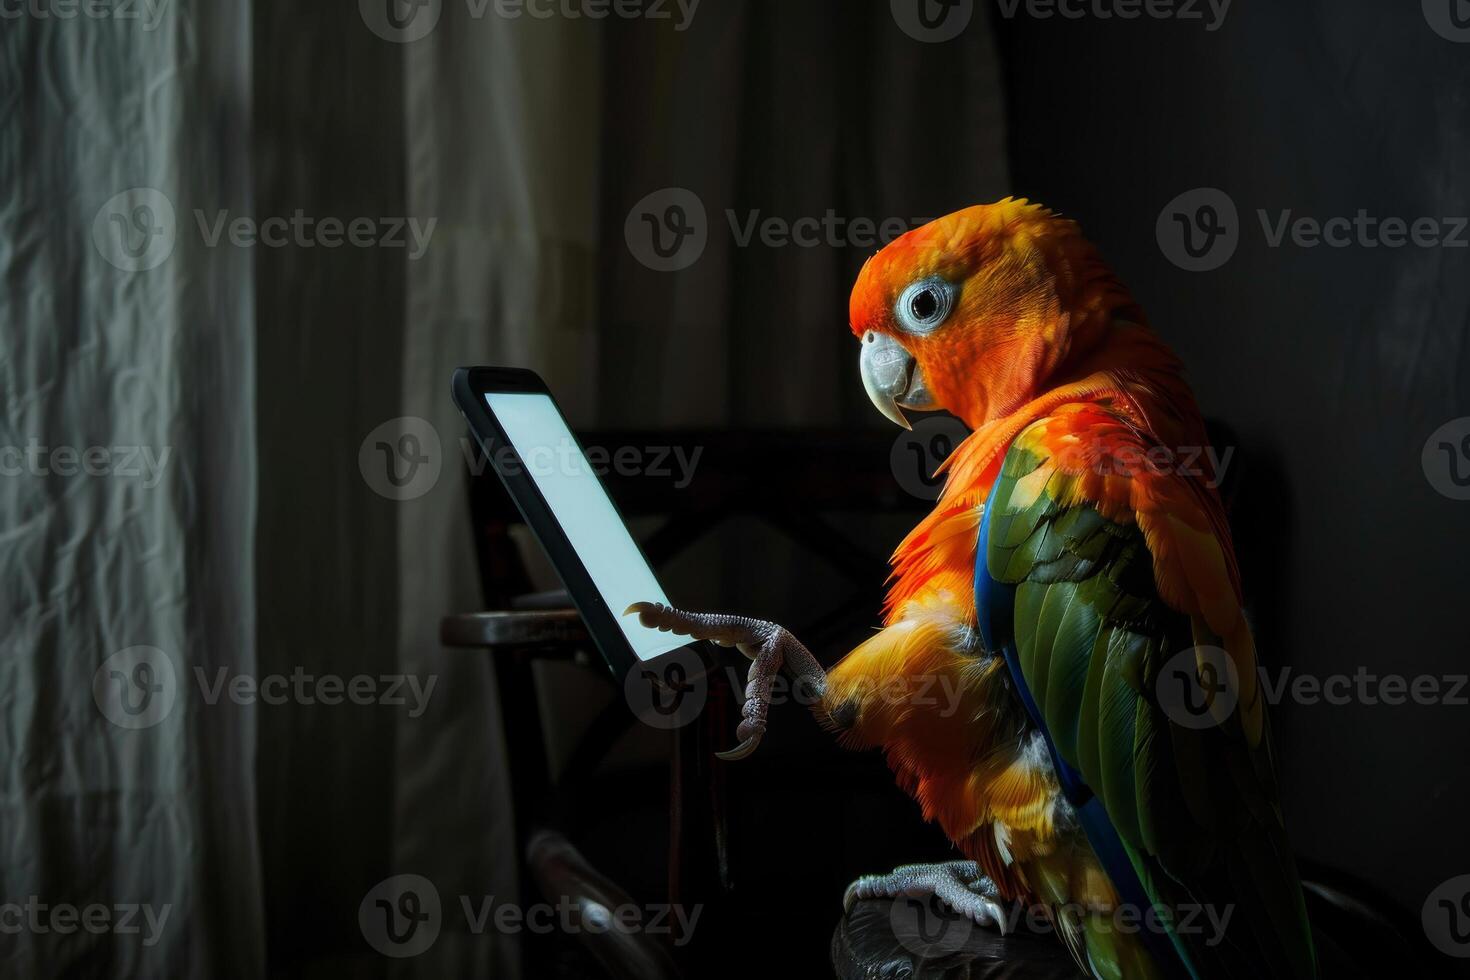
1070 559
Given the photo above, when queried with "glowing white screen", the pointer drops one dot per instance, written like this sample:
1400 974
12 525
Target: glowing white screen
574 494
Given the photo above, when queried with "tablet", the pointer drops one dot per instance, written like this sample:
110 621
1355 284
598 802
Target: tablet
522 432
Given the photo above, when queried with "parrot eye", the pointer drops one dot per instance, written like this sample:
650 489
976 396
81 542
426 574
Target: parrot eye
924 305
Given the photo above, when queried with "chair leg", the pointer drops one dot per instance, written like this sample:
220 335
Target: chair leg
699 836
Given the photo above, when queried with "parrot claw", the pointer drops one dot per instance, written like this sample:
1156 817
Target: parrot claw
769 647
958 884
740 751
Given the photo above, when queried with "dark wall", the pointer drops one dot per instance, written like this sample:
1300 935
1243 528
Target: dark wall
1333 364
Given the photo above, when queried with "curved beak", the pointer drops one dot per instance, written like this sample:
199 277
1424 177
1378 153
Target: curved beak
892 378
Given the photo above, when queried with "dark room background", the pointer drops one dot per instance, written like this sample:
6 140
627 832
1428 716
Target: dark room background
531 143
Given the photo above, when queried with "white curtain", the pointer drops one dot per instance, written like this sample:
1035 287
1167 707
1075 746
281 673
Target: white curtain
127 500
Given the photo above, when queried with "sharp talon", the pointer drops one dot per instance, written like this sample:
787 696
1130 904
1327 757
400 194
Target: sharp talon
958 884
740 751
849 898
638 607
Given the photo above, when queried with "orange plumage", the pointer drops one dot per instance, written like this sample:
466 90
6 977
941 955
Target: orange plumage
1044 352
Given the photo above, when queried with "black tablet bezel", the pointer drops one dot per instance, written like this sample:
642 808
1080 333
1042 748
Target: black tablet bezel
469 387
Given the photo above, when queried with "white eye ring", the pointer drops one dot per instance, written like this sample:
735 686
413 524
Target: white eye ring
925 304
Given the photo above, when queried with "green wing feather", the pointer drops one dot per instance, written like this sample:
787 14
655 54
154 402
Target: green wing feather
1195 809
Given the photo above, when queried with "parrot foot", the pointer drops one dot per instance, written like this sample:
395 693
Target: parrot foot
768 646
959 884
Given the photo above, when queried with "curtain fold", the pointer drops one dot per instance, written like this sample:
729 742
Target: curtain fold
127 451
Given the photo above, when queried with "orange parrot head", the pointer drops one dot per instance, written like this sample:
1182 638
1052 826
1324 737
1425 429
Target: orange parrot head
980 311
